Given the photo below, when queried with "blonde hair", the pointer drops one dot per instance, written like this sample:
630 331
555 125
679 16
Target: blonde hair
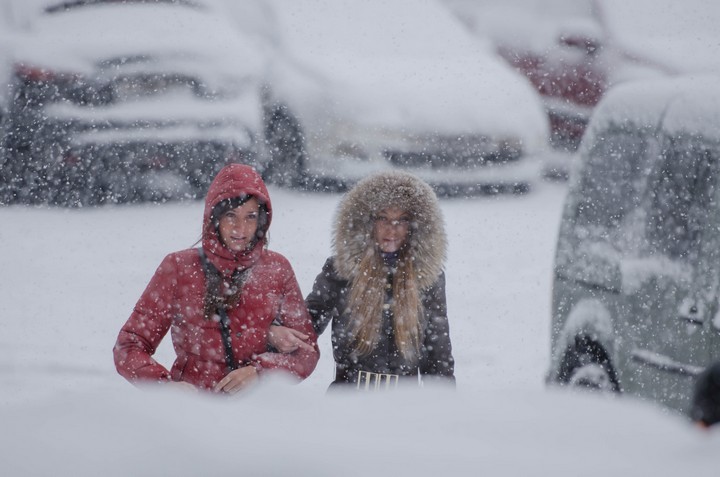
359 260
367 297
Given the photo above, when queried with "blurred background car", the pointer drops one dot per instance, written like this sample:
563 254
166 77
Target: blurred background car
636 292
124 101
556 44
574 51
365 86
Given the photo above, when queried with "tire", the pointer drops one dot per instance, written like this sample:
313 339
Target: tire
287 148
591 376
586 365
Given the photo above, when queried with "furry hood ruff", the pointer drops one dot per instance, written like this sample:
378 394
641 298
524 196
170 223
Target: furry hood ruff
353 227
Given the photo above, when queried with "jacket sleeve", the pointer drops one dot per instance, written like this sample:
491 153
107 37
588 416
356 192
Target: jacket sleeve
437 356
323 300
293 314
146 327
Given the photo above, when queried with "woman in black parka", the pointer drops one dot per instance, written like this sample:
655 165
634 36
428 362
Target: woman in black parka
384 287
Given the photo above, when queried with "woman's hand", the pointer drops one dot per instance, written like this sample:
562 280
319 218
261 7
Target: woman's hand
237 380
287 340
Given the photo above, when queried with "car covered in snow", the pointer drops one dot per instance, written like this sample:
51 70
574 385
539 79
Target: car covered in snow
357 87
574 51
557 45
636 293
125 101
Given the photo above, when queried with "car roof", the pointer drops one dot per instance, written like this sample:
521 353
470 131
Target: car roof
673 104
95 36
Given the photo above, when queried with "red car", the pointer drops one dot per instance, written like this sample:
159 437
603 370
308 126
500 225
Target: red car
573 51
571 81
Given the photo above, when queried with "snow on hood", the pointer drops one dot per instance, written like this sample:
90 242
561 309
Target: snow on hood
145 36
372 62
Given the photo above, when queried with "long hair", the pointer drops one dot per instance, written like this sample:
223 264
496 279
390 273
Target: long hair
367 298
358 259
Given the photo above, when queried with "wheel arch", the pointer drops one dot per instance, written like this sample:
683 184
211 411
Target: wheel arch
588 329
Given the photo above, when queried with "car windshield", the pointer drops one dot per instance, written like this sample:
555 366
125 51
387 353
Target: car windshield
683 195
607 194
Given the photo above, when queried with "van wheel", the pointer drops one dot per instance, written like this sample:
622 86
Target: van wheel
586 365
591 376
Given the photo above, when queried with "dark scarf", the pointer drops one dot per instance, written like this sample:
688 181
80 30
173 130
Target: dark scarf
223 292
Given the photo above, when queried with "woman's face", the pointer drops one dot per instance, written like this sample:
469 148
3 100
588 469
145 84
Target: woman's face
391 229
238 225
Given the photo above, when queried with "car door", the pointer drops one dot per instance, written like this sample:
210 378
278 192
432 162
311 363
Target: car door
710 258
592 238
668 284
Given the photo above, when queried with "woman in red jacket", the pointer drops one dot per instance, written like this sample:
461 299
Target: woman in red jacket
219 300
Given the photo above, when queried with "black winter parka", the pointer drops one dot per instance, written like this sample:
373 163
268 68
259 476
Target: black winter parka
328 302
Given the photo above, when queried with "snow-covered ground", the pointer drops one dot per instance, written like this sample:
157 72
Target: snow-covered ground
71 277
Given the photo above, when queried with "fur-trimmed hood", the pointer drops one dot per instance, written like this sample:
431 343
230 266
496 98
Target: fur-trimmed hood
354 221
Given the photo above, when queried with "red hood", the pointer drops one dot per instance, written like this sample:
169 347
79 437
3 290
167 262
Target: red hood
232 181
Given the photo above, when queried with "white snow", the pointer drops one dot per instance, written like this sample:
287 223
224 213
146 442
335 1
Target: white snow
642 38
663 362
371 64
664 31
536 25
109 41
589 317
190 36
71 278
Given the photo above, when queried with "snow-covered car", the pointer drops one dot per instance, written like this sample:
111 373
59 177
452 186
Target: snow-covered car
557 45
573 51
123 101
636 293
357 87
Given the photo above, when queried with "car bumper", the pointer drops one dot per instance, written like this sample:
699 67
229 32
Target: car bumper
467 168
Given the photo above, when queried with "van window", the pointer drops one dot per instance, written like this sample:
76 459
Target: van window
683 192
609 180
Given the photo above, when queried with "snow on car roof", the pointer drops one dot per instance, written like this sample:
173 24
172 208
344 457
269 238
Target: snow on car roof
666 30
80 39
421 71
534 25
687 103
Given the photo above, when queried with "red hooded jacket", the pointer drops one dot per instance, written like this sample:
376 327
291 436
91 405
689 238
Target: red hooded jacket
174 299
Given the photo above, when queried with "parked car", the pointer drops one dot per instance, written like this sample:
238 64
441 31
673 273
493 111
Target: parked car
124 101
357 87
574 51
636 293
556 45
